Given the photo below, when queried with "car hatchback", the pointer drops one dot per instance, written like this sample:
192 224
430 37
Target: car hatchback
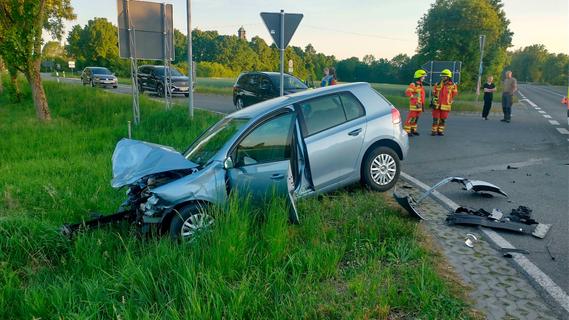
255 87
299 145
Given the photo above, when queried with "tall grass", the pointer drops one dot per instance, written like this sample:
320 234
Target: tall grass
352 256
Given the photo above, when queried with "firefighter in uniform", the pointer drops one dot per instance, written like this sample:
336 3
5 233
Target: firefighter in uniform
416 94
565 101
443 96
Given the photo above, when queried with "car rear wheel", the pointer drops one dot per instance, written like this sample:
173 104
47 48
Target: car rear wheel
381 169
239 103
190 222
160 90
140 88
186 94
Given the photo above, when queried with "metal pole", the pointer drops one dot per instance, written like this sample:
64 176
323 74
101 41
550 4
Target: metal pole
482 40
282 52
190 58
164 53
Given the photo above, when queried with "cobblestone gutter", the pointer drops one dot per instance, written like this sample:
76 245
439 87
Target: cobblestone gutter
499 290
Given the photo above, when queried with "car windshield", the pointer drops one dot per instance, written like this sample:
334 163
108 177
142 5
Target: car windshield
206 146
100 71
290 82
173 72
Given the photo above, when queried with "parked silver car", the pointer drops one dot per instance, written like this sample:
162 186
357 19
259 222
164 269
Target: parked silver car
302 144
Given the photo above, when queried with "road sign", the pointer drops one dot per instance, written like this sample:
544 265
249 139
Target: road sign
273 22
281 27
71 64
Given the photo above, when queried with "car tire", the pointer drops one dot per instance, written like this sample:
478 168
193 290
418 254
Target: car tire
140 88
239 104
114 87
186 94
190 222
381 169
160 90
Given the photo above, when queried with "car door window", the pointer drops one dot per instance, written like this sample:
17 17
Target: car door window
322 113
269 142
352 106
266 84
253 83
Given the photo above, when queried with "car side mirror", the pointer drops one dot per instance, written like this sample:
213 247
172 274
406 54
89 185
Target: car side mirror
228 163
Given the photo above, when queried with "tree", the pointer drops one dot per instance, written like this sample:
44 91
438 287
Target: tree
53 49
450 30
535 64
21 27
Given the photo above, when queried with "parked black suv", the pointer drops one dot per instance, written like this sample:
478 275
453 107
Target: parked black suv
151 78
98 76
254 87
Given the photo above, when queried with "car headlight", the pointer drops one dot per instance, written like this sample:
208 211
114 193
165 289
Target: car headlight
97 78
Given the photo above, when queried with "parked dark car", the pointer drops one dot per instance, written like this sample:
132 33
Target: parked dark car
254 87
151 78
98 76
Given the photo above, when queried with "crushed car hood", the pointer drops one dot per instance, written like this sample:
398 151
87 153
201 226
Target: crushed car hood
133 159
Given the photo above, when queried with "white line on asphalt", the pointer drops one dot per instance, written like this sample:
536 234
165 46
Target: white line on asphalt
547 116
541 111
531 269
562 130
554 122
537 108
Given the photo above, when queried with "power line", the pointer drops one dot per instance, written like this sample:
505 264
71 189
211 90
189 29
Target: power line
358 33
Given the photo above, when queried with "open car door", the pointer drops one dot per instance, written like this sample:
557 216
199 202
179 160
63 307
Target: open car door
299 178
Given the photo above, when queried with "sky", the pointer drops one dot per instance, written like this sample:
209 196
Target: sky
383 28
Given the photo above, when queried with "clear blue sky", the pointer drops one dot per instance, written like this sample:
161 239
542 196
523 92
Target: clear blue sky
350 28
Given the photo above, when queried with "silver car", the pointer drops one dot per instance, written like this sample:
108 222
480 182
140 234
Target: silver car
298 145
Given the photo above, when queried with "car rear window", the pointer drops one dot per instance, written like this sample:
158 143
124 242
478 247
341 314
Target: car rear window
352 106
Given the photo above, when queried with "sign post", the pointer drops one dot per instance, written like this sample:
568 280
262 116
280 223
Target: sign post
482 41
281 27
71 65
191 69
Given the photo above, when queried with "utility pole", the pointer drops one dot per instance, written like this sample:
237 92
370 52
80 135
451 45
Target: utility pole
190 64
482 41
282 51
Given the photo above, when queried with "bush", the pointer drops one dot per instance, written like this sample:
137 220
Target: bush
214 69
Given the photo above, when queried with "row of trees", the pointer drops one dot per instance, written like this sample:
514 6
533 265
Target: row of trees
535 64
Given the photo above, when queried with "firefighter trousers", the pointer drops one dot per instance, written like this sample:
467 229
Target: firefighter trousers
439 120
410 124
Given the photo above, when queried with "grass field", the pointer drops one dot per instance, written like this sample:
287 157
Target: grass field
352 257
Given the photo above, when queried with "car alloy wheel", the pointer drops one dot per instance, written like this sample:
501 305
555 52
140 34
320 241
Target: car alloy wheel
381 168
239 104
195 225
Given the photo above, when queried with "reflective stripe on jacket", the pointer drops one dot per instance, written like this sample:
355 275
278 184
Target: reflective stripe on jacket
444 93
416 94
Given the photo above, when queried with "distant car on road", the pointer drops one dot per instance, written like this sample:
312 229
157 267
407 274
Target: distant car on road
98 76
254 87
151 78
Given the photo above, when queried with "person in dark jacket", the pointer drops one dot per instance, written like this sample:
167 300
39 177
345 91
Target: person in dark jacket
489 89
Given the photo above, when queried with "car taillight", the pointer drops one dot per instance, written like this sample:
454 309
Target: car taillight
395 116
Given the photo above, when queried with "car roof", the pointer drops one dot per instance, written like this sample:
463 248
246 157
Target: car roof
265 107
269 73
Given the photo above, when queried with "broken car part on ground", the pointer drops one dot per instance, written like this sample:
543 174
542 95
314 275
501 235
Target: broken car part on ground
295 146
478 186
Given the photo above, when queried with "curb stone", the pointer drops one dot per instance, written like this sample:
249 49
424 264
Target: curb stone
498 289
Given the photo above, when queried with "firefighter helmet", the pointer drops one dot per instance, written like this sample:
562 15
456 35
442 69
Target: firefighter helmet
446 73
420 73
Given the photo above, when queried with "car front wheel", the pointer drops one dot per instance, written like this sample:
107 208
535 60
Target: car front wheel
160 90
381 169
190 222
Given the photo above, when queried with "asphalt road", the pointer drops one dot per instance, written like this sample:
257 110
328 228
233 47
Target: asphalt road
535 142
479 149
211 102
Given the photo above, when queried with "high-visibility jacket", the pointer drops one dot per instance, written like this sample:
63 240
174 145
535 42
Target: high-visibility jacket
416 93
444 93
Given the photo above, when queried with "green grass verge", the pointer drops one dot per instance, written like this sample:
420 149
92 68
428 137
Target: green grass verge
352 256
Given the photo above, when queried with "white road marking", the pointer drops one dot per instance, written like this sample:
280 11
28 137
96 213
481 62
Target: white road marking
562 130
523 262
547 116
537 108
541 111
554 122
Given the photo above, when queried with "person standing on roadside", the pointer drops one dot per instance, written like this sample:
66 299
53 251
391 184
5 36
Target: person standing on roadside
565 101
489 89
444 93
326 79
509 88
333 76
416 93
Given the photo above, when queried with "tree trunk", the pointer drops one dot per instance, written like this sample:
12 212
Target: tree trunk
38 95
15 86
